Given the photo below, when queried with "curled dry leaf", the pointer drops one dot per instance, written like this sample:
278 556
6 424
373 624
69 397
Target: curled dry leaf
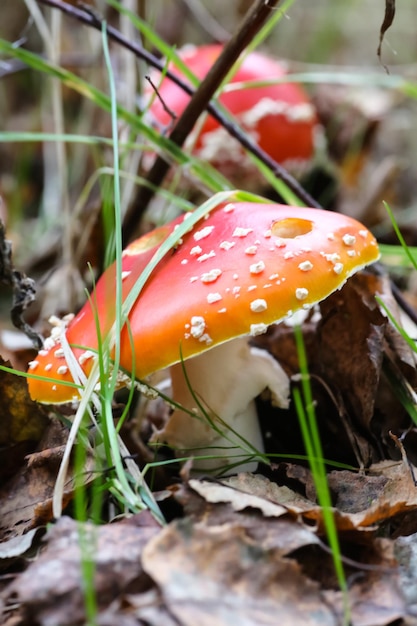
387 491
219 575
214 505
217 492
376 600
17 546
360 354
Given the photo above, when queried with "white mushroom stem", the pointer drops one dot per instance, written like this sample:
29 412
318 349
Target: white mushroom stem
226 379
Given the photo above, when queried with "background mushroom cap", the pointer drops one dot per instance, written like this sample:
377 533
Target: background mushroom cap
280 117
243 267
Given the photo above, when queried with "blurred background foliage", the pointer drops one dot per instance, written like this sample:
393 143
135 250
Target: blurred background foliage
370 128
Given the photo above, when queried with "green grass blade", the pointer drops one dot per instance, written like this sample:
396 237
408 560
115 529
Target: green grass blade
400 236
207 174
304 403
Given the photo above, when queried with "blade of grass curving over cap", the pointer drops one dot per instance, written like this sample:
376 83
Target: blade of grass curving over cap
111 440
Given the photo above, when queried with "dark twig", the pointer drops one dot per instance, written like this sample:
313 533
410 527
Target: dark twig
166 108
89 19
387 22
253 21
23 289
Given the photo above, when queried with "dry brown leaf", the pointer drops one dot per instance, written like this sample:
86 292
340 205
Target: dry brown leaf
22 419
18 547
284 533
363 501
128 610
26 499
239 500
50 591
216 576
358 362
374 591
260 486
351 341
376 599
406 555
398 496
22 422
366 360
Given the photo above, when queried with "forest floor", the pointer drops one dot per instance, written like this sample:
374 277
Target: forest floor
247 548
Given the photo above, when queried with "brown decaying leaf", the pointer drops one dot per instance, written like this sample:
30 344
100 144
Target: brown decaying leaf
218 566
216 576
375 595
239 500
22 422
26 499
214 505
356 344
351 344
376 600
364 501
219 575
350 351
140 609
50 591
387 492
17 546
22 419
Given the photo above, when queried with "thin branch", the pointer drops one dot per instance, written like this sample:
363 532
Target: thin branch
252 23
164 105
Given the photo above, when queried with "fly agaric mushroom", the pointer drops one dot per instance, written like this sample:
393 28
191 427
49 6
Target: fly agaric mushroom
238 270
280 117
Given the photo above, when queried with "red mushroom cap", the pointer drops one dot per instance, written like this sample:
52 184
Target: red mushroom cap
240 269
280 117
